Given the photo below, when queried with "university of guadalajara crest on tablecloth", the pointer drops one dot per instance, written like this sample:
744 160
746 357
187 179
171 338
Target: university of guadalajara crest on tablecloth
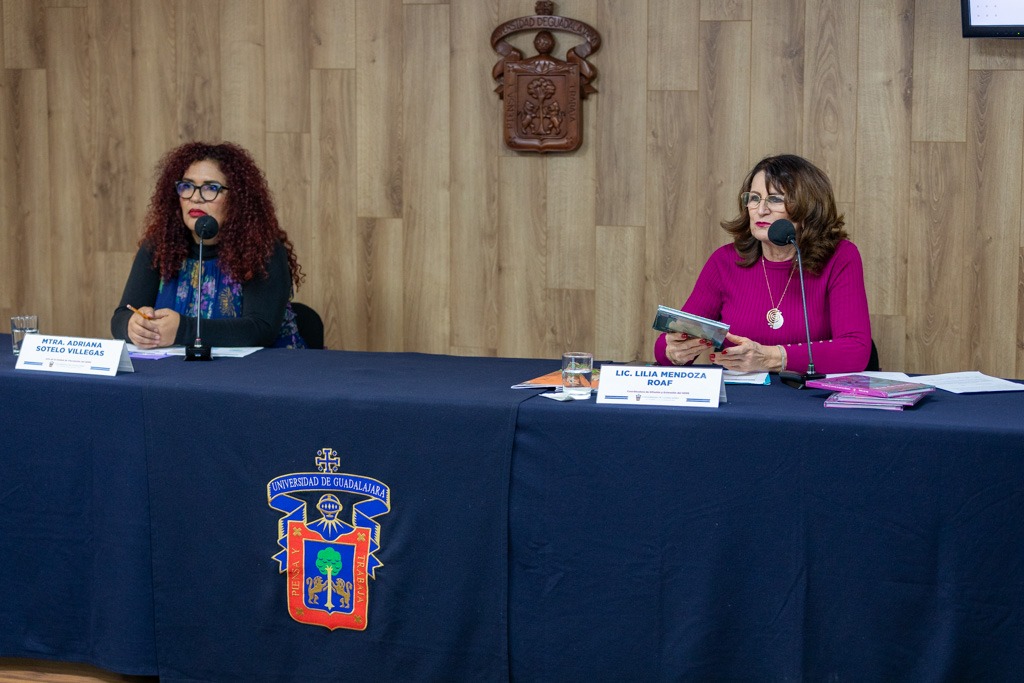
328 560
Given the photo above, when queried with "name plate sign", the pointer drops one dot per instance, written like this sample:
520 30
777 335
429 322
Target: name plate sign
78 355
697 386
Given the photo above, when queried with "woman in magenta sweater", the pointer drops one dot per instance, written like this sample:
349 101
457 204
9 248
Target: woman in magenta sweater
753 286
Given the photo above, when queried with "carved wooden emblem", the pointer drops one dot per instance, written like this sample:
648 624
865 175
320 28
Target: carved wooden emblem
542 94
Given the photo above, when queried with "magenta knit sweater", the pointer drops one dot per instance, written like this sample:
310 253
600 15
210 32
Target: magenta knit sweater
837 308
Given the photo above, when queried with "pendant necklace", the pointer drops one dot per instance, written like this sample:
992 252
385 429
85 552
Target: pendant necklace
774 315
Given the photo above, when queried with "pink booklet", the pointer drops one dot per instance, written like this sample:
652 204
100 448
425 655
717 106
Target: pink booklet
844 400
865 385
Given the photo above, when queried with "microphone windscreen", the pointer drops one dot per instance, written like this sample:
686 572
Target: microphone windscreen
781 232
206 227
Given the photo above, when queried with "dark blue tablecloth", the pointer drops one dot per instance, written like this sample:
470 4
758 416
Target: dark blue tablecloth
770 539
74 520
436 430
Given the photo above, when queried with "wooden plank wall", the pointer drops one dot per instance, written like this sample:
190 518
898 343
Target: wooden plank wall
377 125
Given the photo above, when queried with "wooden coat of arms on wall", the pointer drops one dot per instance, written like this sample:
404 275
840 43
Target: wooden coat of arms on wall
542 94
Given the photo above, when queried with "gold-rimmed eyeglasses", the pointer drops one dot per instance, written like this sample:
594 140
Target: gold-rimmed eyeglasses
774 202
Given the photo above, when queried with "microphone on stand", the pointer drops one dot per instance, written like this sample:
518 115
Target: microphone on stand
781 233
206 228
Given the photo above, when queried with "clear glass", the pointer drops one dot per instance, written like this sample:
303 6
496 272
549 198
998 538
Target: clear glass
577 373
22 325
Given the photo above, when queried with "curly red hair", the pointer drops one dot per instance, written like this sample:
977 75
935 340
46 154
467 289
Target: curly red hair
250 230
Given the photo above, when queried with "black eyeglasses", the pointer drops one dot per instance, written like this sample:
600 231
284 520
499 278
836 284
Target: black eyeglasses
186 189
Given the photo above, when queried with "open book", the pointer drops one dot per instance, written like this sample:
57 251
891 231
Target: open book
674 320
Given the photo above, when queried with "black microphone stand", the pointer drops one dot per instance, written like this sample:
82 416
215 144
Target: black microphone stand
783 232
206 228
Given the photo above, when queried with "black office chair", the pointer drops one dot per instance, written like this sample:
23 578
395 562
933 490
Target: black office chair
873 358
310 325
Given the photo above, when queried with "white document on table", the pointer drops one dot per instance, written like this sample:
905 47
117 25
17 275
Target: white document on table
970 382
215 352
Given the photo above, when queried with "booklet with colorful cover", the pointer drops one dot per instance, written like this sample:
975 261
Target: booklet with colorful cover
866 385
844 400
674 320
553 380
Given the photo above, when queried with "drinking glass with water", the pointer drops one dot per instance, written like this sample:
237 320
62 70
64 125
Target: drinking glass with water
22 325
577 374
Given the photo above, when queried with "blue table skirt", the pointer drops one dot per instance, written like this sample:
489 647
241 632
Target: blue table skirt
436 430
770 539
525 539
75 578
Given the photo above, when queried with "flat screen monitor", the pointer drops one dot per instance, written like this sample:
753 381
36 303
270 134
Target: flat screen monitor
993 18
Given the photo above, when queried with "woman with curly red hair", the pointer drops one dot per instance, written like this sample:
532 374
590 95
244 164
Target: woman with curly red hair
249 267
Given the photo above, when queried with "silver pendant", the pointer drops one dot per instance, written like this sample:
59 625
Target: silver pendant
775 318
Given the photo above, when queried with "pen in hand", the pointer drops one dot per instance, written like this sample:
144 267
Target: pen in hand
137 311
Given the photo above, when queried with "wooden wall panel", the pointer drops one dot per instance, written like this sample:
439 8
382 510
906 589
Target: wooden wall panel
33 229
883 149
73 207
672 43
474 181
725 10
572 313
243 96
288 170
23 36
155 124
940 76
997 54
377 125
110 24
25 194
379 51
620 138
777 78
723 140
382 240
620 319
573 188
197 61
830 91
287 66
333 27
336 267
526 326
1020 319
10 223
936 269
426 210
889 332
673 237
571 213
994 207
